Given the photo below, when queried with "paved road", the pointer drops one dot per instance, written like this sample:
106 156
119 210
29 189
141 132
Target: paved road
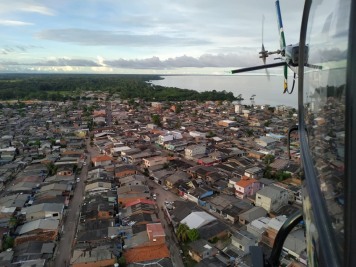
162 196
64 251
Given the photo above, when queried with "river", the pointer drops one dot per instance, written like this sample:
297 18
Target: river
267 91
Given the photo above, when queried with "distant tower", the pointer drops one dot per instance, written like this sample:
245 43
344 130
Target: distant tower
238 109
252 98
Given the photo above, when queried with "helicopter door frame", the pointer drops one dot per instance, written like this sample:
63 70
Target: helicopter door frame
350 145
329 255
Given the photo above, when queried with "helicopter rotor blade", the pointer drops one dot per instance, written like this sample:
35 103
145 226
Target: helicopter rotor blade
267 66
282 39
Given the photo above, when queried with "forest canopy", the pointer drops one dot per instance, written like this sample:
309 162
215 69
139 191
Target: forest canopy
60 87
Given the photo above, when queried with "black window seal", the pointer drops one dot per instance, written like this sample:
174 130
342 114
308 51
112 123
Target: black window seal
350 144
327 247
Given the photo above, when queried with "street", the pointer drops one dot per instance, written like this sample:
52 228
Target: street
162 196
64 250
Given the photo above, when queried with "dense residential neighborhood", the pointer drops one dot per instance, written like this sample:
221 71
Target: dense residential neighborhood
110 182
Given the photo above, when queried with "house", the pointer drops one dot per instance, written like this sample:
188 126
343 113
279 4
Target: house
215 229
258 226
266 141
154 161
156 233
175 145
194 150
197 194
246 187
252 214
125 170
147 244
160 176
42 211
135 179
27 253
227 123
97 207
218 203
272 198
169 136
175 177
102 160
98 256
198 219
243 240
131 193
42 229
295 243
97 187
60 189
254 172
272 229
279 164
156 254
201 249
232 213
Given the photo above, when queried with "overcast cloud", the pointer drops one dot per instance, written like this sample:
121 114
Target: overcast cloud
153 35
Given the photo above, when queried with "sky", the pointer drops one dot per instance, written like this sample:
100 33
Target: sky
140 36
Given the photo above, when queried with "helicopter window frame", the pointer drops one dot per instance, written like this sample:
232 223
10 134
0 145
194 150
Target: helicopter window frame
350 144
327 248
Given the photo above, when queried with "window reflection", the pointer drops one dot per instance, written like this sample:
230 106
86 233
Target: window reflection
324 103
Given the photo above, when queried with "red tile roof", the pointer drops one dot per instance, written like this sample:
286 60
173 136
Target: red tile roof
245 181
140 200
101 158
140 254
155 230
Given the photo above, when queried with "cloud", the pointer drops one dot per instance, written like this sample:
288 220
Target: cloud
152 63
14 23
204 61
38 9
58 62
67 62
17 49
113 38
24 6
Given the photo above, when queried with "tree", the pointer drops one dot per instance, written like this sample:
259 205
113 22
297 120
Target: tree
122 261
249 132
267 123
182 232
193 234
178 108
268 159
52 169
8 242
156 119
282 175
268 172
146 172
210 134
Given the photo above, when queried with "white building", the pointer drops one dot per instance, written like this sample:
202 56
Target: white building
169 136
238 109
272 198
198 219
265 141
154 161
197 134
194 150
